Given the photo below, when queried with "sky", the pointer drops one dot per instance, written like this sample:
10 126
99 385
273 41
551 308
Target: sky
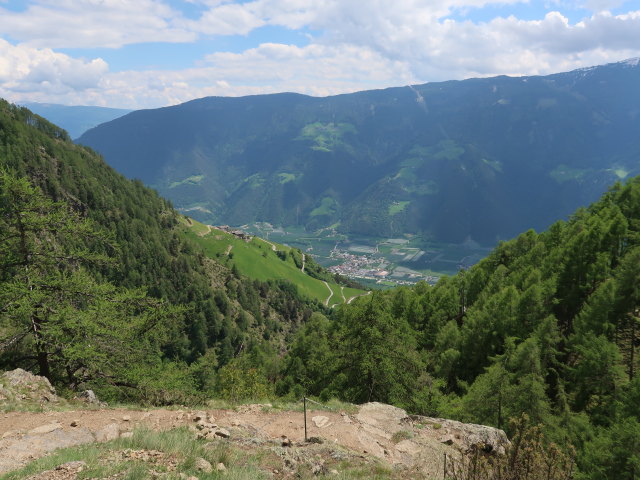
154 53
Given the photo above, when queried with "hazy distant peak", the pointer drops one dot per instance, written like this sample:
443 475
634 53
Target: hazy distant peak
631 62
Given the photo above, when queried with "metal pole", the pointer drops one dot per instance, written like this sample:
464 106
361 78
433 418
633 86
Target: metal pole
305 418
445 466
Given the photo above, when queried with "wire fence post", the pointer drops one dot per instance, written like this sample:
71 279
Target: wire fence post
445 466
305 418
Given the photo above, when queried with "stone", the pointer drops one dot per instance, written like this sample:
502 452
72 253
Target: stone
23 385
199 416
447 439
383 417
203 465
126 435
286 442
22 450
222 432
65 471
88 396
184 476
45 429
74 423
468 436
126 418
220 467
108 433
321 421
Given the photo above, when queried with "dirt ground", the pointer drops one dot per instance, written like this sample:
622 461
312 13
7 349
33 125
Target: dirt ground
373 431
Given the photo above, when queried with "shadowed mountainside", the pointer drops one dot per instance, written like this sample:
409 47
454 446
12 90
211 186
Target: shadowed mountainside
480 158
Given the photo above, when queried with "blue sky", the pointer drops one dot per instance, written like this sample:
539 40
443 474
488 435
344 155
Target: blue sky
152 53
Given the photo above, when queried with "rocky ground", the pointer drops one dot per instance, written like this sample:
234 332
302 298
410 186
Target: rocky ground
377 432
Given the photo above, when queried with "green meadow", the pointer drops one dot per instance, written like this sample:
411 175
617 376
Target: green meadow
258 260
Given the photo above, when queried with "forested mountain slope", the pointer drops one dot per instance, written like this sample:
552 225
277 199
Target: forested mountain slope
73 232
548 325
480 158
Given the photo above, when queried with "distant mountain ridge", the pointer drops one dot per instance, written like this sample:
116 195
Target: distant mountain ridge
75 119
478 159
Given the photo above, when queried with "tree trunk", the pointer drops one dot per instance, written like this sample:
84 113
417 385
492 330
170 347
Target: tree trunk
41 351
43 364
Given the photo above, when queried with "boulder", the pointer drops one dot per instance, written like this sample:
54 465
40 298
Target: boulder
321 421
468 436
108 433
45 429
203 465
382 416
88 396
21 385
23 449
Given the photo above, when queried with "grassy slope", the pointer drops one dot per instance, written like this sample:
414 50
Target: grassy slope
256 259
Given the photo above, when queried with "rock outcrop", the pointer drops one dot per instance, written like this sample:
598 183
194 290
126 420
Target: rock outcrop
467 436
421 443
377 432
21 386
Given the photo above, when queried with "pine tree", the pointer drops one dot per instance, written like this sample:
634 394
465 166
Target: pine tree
55 314
42 245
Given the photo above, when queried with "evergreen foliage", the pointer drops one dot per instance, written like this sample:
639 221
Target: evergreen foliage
99 285
546 325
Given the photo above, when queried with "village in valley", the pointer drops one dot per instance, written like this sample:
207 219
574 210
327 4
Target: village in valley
366 263
377 262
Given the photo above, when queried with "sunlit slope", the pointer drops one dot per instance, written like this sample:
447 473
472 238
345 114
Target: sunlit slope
262 260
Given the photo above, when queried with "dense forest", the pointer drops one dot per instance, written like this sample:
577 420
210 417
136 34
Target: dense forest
77 239
100 288
548 325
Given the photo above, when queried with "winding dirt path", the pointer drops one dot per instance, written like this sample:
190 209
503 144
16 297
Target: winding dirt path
273 246
326 302
357 296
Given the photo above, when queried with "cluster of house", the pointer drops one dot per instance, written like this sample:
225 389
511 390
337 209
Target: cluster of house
356 266
235 232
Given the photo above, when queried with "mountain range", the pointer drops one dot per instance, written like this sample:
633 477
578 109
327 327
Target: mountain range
104 286
479 159
75 119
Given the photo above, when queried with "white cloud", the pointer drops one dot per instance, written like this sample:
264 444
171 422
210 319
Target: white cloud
227 19
416 33
360 45
24 70
603 5
270 68
94 23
